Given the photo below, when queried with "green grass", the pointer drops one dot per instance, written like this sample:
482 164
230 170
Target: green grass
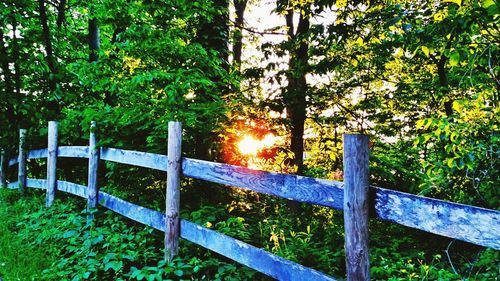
19 260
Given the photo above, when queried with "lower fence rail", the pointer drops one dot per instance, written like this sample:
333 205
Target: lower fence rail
239 251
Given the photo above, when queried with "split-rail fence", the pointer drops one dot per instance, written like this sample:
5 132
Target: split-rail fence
354 196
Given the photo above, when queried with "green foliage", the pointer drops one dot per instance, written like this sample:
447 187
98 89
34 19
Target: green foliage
113 248
396 257
462 153
18 259
108 248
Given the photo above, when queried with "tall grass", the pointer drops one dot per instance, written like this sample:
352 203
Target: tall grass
19 259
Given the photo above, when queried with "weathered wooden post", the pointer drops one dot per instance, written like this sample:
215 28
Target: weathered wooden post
51 163
21 172
356 206
173 190
92 189
3 169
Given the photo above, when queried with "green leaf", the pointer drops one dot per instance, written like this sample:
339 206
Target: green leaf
179 272
115 265
457 106
454 58
425 50
420 123
453 137
69 234
458 2
487 3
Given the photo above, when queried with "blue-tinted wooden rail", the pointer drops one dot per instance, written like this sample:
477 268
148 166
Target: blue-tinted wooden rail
467 223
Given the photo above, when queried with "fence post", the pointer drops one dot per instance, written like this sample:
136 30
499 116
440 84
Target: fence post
92 189
51 163
3 169
21 172
356 206
173 190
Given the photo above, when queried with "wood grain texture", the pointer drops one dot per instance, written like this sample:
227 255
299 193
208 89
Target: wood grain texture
356 206
73 151
241 252
92 189
467 223
173 193
72 188
132 211
51 163
249 255
33 183
38 153
304 189
36 183
135 158
3 169
21 170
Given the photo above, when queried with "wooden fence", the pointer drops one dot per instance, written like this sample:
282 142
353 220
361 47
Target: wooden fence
353 196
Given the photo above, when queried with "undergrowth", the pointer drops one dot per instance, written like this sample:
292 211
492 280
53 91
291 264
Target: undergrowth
19 260
60 243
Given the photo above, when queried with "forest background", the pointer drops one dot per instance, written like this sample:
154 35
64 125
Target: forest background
421 78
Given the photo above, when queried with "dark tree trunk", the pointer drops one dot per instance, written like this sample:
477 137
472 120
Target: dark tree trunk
46 37
443 80
443 84
239 6
94 40
214 36
296 91
53 104
61 10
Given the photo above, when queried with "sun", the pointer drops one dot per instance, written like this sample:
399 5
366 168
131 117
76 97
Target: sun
249 146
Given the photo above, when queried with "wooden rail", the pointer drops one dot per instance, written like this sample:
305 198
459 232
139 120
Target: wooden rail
464 222
467 223
229 247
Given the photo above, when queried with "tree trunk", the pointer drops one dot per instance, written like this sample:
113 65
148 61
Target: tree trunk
443 80
239 6
53 104
296 91
94 40
213 35
61 10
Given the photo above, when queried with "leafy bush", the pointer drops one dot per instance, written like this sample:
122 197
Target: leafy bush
111 248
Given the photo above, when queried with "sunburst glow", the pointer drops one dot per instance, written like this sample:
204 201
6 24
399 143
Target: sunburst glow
251 146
